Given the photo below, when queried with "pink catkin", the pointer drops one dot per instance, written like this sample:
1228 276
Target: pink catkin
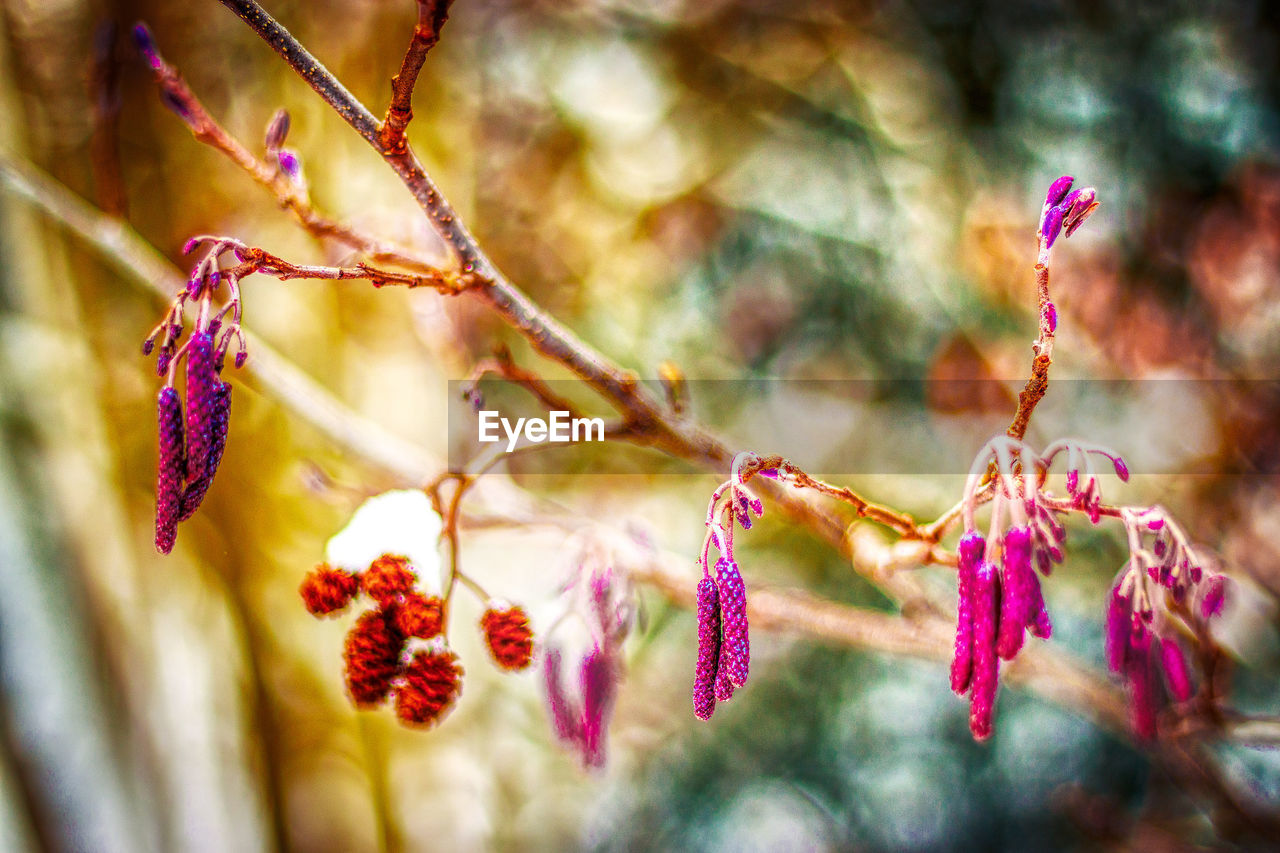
704 676
599 681
1117 632
203 470
566 719
1175 669
202 382
986 665
1142 686
170 469
735 644
1016 597
971 547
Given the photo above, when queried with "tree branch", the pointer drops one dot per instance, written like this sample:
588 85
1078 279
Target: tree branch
432 15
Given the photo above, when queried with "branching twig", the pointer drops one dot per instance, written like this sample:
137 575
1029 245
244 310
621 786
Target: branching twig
179 97
432 15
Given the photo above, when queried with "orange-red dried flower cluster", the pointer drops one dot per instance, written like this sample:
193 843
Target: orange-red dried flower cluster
380 663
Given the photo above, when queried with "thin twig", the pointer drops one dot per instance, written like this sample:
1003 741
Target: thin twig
179 97
432 15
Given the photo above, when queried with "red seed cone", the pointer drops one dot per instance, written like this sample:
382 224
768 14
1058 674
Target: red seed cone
431 684
372 654
327 590
509 637
418 615
387 578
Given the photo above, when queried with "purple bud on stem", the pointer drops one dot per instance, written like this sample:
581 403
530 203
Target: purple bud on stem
1058 190
146 45
1052 226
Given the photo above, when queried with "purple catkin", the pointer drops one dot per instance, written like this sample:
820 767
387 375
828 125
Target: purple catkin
1039 623
1058 190
599 680
1118 631
1052 226
1215 595
1175 669
986 665
170 469
1016 598
735 644
1142 687
200 480
202 383
565 719
704 676
971 547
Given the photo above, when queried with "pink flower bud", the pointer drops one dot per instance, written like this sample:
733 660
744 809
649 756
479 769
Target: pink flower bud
1122 470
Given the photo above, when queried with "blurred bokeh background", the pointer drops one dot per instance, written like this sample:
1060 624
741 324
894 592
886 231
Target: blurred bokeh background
753 189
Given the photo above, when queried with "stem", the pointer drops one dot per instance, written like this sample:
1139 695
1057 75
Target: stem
431 17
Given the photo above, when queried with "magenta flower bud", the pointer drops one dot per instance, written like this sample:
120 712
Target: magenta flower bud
170 469
1159 547
564 719
1175 669
202 382
962 662
1155 524
1051 317
1122 470
1043 563
704 674
1058 190
1215 594
986 665
599 680
1016 597
146 44
1195 574
735 644
1052 226
771 473
148 345
202 477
